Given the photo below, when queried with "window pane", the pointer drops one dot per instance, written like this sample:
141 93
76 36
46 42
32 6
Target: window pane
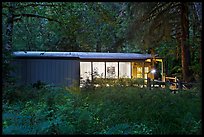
85 70
139 72
146 69
124 70
99 69
111 69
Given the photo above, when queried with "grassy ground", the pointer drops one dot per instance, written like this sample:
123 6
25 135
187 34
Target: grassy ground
110 110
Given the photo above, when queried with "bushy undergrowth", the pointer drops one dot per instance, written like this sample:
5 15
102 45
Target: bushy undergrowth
107 110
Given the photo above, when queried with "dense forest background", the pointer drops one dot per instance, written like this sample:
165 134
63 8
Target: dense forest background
172 30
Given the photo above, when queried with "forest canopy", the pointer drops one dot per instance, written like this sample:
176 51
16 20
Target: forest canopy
172 30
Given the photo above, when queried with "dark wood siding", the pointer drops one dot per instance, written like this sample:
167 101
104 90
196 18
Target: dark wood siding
51 71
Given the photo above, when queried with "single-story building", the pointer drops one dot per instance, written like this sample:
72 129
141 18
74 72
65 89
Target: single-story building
68 68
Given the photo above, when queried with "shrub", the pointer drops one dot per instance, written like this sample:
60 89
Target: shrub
105 110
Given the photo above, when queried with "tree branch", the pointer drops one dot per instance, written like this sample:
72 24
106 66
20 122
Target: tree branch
4 14
36 16
34 5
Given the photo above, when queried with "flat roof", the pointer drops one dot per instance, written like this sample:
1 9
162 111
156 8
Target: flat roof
81 55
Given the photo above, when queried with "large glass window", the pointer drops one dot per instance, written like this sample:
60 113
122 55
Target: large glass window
146 70
99 69
124 70
85 70
111 69
139 72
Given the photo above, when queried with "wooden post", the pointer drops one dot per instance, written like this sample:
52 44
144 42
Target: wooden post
92 73
148 83
105 69
179 85
152 83
118 69
143 73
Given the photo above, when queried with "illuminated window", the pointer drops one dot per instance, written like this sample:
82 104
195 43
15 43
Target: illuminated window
124 70
85 70
111 69
146 70
139 72
99 69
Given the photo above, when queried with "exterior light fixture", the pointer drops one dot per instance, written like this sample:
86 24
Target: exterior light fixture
153 71
148 79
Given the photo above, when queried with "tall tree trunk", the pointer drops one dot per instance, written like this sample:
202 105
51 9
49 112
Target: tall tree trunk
9 28
7 48
185 53
200 61
117 46
98 47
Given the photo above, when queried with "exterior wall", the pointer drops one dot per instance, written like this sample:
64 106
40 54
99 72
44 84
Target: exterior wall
51 71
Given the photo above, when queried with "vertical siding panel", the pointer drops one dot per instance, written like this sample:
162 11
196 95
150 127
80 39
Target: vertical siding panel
31 71
18 73
63 72
37 76
58 72
54 71
50 75
66 70
24 71
28 71
78 72
44 71
34 71
56 66
39 71
69 74
35 64
73 71
48 71
24 75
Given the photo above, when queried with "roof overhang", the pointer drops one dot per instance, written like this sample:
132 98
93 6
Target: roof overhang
81 55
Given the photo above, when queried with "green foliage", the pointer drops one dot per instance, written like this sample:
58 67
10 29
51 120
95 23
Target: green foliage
105 110
66 26
112 82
